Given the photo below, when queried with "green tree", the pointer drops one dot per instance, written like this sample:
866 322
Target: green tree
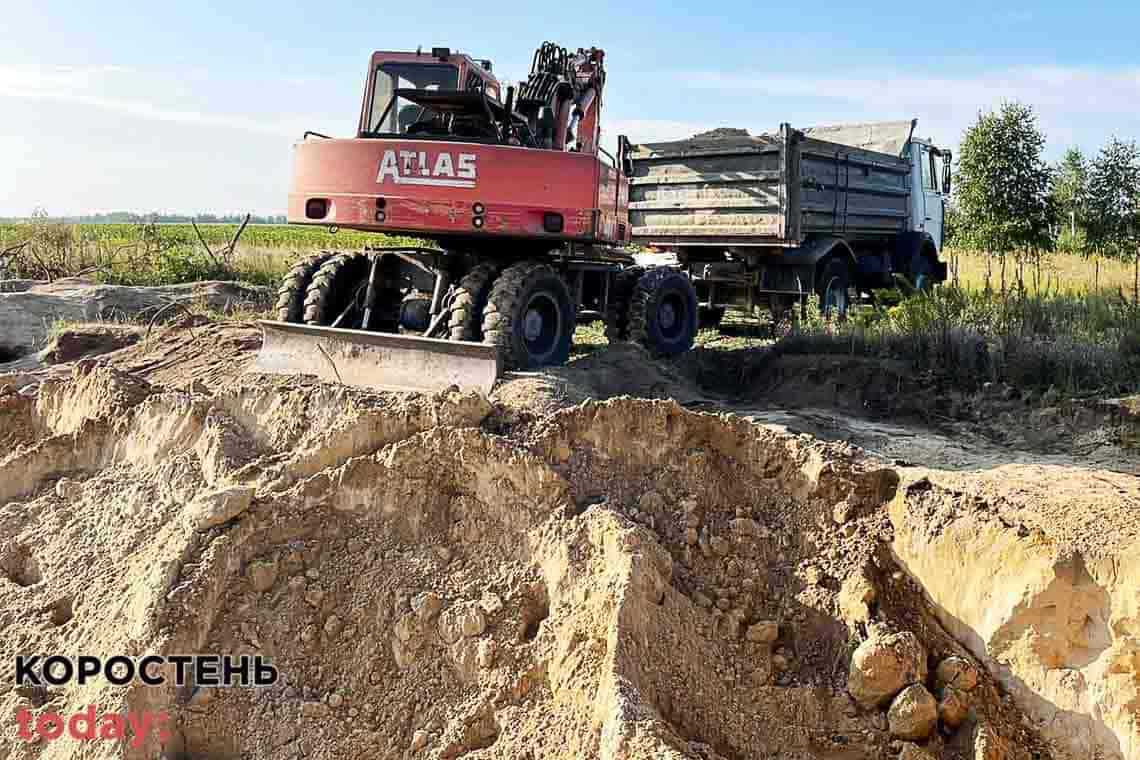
1114 205
1070 193
1004 185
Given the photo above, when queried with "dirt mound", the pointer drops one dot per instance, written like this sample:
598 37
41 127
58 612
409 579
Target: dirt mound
618 579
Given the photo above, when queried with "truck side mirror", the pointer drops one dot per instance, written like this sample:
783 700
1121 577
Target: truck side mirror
624 161
947 161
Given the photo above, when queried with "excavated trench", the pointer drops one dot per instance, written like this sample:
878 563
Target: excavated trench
540 575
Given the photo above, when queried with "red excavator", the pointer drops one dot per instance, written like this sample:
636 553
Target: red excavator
525 213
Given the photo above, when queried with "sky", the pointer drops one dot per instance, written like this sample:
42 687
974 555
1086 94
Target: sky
192 106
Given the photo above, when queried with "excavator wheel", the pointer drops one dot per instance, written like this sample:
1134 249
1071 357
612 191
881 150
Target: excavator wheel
663 312
334 288
466 320
529 316
617 312
291 295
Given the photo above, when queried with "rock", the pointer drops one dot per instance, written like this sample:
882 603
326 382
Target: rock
914 752
485 657
855 597
913 713
473 622
651 502
953 707
311 709
68 489
842 511
406 628
490 603
884 665
461 620
764 632
420 740
745 527
780 662
957 672
332 625
219 507
262 574
426 605
988 745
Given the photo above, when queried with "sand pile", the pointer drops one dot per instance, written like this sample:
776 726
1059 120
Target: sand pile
613 579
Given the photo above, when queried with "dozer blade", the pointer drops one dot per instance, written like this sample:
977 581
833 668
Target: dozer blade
383 361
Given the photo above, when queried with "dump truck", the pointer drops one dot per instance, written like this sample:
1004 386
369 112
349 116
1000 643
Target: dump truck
770 220
529 225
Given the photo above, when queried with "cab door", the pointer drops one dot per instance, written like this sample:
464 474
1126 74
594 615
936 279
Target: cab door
932 200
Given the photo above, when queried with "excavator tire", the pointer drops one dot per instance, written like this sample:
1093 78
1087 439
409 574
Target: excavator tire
529 316
334 286
466 320
291 295
617 311
663 312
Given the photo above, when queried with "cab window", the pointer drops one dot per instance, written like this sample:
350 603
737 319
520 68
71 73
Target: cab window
403 76
929 175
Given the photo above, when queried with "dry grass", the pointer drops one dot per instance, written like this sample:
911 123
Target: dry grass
1061 273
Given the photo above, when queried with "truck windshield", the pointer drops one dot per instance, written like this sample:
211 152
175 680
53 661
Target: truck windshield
394 76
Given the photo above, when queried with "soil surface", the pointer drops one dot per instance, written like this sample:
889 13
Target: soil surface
715 557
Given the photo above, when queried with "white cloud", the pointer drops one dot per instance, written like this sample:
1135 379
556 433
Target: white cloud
80 85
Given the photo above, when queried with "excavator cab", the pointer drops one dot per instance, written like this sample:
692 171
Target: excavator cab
398 82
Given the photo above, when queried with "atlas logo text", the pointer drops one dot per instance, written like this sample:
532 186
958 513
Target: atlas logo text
418 167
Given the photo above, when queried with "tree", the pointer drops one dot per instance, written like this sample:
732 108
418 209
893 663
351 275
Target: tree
1004 183
1070 190
1114 205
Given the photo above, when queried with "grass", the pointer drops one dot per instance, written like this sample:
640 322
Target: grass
145 254
1069 324
1067 343
1062 273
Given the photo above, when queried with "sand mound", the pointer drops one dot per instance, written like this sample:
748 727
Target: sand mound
617 579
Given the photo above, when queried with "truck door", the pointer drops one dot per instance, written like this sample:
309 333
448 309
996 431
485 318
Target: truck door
931 171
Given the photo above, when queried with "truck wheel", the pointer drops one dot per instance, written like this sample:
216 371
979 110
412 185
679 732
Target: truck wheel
529 316
291 295
835 290
334 288
466 320
663 312
617 310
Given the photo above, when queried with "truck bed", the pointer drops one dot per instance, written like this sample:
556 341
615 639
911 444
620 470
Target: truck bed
728 188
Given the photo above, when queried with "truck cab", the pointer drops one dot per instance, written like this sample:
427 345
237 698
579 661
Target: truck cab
930 183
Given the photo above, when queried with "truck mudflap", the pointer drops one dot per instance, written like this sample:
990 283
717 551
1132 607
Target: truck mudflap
383 361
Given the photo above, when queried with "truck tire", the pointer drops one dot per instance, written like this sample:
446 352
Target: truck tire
466 320
334 286
835 289
663 312
529 316
291 295
617 310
